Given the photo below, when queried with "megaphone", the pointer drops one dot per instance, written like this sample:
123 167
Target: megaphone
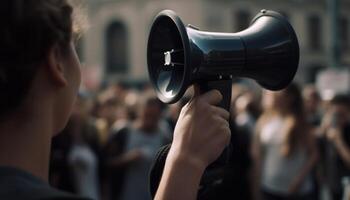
178 55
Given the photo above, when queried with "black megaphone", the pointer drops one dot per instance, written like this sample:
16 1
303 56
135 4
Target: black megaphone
179 55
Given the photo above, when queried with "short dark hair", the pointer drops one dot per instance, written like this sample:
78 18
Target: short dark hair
29 28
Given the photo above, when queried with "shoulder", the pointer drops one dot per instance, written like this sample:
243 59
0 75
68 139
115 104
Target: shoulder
35 192
16 185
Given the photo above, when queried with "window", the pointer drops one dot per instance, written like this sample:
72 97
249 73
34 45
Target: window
242 19
314 32
116 48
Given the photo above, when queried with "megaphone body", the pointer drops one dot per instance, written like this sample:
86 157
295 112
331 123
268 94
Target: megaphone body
179 56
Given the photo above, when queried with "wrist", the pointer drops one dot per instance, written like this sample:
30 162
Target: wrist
181 159
181 173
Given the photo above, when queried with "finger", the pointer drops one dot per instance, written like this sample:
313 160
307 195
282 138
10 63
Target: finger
223 123
196 89
227 133
196 92
221 112
213 97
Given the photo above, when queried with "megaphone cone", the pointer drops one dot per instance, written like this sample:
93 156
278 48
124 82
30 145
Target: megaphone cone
179 55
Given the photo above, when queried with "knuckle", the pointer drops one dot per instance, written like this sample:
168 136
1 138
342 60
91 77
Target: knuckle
227 115
211 110
217 94
226 138
228 134
217 121
224 129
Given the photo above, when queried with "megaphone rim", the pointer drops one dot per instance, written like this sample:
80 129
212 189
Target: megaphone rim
296 46
185 43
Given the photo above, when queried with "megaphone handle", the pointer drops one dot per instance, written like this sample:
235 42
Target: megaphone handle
224 86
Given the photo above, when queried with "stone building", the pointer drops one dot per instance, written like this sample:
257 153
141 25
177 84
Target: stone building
115 44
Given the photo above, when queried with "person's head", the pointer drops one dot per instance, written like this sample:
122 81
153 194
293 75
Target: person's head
149 112
311 98
287 101
340 108
38 62
108 109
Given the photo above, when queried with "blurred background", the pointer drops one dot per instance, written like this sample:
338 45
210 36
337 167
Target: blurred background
118 124
115 44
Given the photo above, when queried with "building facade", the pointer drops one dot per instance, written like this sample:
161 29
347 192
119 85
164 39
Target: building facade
115 44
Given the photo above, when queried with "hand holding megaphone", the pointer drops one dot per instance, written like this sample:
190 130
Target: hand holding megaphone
194 140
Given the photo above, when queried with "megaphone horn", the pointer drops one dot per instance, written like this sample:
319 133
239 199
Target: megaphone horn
179 55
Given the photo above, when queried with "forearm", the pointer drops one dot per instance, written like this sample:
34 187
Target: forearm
343 151
180 180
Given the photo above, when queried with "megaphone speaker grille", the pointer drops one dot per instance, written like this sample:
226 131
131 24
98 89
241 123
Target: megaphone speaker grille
167 57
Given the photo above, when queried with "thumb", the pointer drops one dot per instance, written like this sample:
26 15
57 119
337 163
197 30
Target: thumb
196 92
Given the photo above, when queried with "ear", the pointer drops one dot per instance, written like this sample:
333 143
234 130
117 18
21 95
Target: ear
55 67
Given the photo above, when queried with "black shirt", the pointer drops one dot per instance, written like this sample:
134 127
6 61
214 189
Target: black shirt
335 168
16 184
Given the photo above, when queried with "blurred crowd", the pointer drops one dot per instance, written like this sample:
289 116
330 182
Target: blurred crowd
289 144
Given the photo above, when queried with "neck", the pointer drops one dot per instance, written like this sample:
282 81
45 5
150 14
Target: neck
25 142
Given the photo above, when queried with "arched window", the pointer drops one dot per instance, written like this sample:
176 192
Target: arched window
116 48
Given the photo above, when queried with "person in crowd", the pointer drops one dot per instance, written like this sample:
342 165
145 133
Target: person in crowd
246 112
236 184
335 129
283 149
312 102
39 81
313 111
131 150
60 175
106 109
83 156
